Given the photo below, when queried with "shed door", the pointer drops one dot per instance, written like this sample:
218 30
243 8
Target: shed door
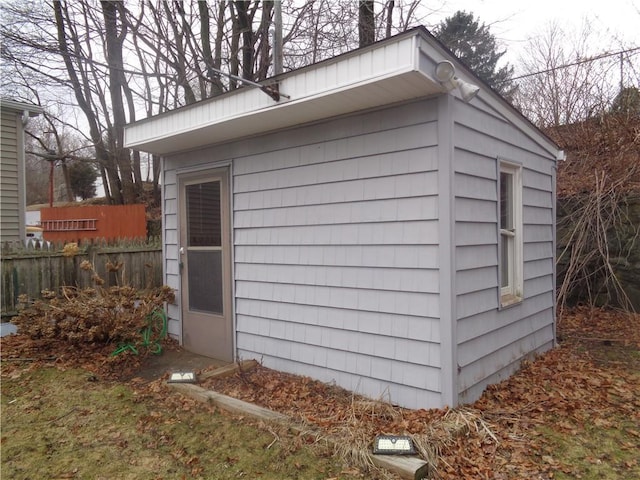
205 263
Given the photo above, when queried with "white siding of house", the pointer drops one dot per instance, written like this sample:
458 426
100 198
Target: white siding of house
335 250
492 341
10 178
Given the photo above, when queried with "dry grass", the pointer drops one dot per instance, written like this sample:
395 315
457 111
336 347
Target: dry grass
66 423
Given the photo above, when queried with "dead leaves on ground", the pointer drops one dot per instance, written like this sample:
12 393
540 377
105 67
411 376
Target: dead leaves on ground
575 386
19 352
497 437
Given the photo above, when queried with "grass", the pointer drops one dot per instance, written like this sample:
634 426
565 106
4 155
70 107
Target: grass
573 413
64 424
606 447
603 450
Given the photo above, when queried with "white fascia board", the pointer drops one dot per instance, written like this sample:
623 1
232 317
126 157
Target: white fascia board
19 107
384 74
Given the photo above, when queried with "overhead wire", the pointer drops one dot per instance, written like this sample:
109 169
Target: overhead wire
577 62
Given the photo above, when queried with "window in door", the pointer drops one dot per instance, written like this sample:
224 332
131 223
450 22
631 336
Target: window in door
204 247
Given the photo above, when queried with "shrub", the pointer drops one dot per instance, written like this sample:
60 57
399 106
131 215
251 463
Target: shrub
91 315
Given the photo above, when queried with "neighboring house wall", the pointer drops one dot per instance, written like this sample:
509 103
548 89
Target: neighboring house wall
13 117
336 250
12 198
491 341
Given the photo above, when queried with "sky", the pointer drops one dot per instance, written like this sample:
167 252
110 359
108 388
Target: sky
513 22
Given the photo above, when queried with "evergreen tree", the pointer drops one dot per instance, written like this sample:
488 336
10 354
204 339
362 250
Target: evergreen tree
83 176
474 44
627 102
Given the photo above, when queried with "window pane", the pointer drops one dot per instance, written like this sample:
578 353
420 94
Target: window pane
504 262
205 281
203 215
506 201
510 233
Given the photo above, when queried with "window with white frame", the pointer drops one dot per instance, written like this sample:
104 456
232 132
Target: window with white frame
510 227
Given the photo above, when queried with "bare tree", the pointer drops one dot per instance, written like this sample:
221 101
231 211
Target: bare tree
389 18
90 100
366 22
575 94
561 82
115 35
213 63
112 64
50 146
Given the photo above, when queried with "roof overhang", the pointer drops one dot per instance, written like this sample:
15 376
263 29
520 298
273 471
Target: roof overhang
380 74
20 107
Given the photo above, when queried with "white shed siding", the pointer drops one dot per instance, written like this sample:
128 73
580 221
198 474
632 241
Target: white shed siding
492 341
336 264
365 245
335 250
170 245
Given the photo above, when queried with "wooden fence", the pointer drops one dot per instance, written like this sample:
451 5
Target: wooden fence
79 223
30 270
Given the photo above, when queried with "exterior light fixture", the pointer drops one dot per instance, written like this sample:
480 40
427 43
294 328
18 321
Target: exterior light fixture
446 75
393 445
445 72
182 377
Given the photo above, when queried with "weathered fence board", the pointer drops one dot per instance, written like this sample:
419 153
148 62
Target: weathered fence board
28 270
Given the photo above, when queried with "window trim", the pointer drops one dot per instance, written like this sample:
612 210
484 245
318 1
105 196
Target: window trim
513 292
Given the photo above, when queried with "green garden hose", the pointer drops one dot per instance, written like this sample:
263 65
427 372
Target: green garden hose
152 335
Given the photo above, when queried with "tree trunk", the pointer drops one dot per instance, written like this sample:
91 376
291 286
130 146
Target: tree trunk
366 23
156 163
114 41
205 39
181 58
245 28
262 50
79 89
218 87
234 63
389 22
105 185
67 180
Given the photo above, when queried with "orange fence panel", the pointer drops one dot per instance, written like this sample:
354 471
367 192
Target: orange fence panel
73 224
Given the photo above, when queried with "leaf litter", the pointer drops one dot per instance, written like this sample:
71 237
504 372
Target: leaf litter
591 380
577 384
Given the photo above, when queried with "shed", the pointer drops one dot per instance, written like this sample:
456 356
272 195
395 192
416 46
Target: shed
13 118
373 229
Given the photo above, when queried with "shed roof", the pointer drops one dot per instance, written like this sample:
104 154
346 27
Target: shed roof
382 73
